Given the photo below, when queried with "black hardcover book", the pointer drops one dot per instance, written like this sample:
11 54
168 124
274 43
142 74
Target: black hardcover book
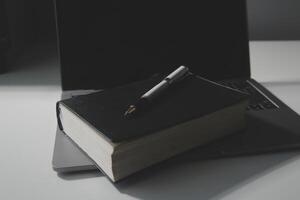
193 112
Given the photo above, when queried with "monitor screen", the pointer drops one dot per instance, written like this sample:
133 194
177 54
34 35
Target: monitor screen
113 42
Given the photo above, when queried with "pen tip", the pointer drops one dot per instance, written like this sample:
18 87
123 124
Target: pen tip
130 110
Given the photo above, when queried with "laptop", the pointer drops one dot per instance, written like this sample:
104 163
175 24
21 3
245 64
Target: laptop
103 44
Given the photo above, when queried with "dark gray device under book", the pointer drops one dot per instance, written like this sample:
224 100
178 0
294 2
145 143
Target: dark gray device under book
110 43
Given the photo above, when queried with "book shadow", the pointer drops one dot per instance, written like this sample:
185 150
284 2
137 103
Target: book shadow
192 175
181 178
210 179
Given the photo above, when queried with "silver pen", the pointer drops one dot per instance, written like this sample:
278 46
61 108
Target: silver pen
177 75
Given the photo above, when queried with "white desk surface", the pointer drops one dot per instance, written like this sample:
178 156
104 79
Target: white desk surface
28 124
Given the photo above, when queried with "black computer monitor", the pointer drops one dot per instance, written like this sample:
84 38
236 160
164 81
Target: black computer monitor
108 43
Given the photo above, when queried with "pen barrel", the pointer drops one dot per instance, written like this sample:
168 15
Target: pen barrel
156 90
177 75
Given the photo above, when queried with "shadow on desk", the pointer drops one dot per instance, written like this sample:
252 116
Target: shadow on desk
201 180
69 176
39 66
182 179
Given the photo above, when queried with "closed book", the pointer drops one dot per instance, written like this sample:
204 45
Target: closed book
193 112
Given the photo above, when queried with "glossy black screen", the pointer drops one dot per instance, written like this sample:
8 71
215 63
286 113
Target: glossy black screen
106 43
